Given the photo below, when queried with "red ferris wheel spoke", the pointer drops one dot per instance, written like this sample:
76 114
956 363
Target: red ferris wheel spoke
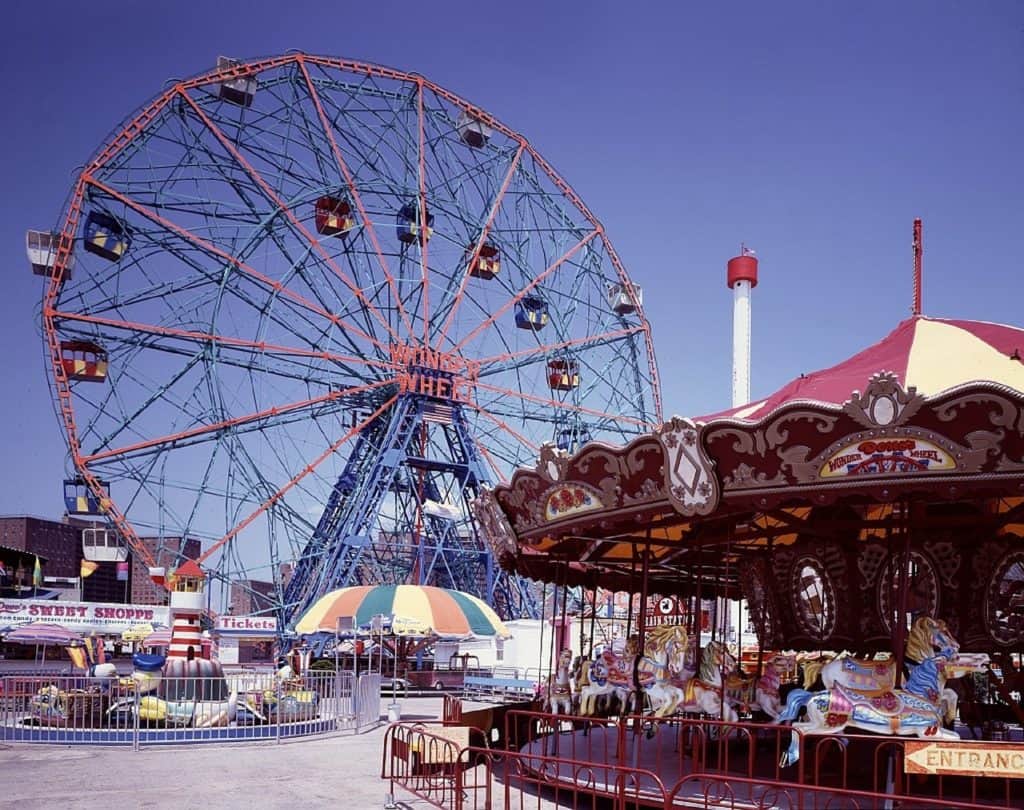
490 460
544 349
504 426
207 337
554 403
356 198
294 481
518 296
480 242
248 418
424 272
277 286
289 214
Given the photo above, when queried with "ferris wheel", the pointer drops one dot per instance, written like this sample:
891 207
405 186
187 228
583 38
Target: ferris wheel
302 309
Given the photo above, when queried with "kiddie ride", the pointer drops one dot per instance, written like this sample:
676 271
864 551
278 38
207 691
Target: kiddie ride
181 689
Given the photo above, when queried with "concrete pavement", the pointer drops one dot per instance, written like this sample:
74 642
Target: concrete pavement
317 772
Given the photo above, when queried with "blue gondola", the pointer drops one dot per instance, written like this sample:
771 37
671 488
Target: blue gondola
79 499
105 236
531 313
407 224
572 439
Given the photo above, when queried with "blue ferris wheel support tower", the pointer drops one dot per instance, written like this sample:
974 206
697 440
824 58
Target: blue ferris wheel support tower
400 514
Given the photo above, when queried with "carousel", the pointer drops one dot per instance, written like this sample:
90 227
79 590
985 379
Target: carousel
870 515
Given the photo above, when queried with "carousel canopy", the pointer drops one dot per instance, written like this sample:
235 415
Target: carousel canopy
808 503
929 354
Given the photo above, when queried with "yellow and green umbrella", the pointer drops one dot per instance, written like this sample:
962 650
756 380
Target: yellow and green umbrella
415 610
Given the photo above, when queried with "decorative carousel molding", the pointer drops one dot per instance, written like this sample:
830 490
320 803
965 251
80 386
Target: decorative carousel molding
494 525
690 480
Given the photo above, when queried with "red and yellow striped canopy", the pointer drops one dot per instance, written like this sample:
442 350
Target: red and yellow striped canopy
932 354
416 610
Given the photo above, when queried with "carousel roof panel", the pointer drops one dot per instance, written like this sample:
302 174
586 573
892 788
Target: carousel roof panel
930 354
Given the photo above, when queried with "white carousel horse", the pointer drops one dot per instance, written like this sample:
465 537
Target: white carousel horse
664 663
913 710
558 691
756 693
703 693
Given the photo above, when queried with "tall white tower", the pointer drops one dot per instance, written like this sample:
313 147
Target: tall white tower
742 278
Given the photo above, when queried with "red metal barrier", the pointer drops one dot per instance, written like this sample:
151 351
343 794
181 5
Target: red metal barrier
671 762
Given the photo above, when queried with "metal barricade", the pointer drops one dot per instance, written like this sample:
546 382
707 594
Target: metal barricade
238 707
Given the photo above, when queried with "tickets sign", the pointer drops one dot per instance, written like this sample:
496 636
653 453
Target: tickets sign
887 455
263 625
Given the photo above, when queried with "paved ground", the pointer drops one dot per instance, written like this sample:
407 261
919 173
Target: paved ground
342 771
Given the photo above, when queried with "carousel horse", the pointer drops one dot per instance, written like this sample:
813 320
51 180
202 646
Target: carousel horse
926 636
704 693
608 676
665 662
913 710
750 693
558 691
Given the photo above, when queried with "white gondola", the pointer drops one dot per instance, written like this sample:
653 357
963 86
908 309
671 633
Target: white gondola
621 302
472 131
41 247
102 545
238 91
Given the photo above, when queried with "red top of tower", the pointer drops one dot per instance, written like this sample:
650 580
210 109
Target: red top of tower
742 268
189 568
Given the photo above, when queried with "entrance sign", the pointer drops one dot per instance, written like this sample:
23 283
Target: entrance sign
964 759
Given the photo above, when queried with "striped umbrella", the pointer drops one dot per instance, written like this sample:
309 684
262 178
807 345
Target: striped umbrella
415 610
44 633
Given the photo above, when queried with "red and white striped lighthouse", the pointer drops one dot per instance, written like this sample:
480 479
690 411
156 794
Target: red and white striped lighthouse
186 608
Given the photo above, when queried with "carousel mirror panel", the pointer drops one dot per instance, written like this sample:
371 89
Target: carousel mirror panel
814 598
1004 601
922 589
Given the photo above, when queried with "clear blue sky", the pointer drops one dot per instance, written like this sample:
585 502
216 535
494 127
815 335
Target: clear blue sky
814 132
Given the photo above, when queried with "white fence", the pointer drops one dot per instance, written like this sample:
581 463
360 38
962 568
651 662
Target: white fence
239 707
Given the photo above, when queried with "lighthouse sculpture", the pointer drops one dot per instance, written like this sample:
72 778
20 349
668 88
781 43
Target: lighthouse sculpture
186 608
741 276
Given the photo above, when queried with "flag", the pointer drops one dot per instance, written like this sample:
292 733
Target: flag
77 656
37 574
122 572
87 567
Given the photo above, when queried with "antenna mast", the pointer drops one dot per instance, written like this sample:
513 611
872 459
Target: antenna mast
918 251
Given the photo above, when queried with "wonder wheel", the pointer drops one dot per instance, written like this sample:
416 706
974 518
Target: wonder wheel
302 309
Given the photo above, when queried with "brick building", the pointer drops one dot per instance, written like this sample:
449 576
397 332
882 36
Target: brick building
174 551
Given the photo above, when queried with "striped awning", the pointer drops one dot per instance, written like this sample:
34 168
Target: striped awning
930 354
